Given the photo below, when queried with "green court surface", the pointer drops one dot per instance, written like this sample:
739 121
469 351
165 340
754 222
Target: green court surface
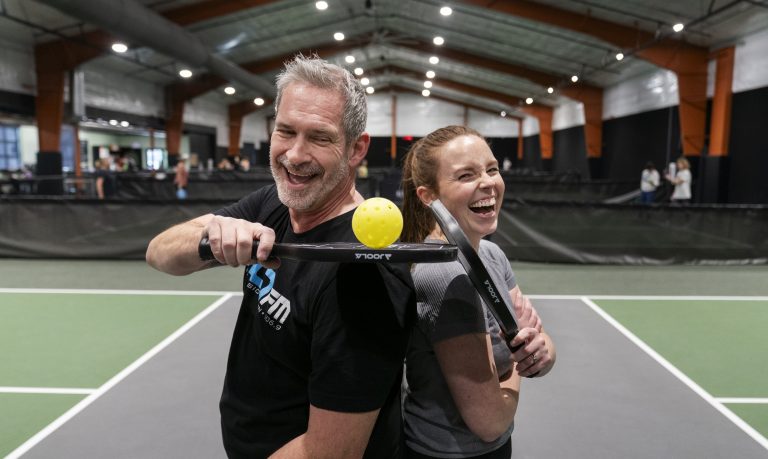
75 341
25 414
719 343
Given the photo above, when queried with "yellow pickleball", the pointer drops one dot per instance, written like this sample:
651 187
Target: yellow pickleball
377 222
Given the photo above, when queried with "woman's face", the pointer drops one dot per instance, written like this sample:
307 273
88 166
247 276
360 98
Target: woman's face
470 185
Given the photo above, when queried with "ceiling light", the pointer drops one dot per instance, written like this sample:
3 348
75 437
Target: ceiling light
430 74
550 90
678 27
427 84
619 56
113 122
258 101
575 78
434 60
119 47
338 36
350 59
359 71
185 73
322 6
365 81
446 11
229 90
369 89
124 123
425 93
529 100
438 41
503 114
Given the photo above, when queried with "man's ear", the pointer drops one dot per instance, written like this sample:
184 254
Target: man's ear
359 149
426 195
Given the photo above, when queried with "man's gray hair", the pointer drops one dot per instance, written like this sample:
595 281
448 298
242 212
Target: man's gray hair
319 73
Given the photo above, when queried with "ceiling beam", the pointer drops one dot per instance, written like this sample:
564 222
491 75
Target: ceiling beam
452 100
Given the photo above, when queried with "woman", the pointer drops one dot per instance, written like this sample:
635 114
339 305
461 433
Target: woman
682 181
462 382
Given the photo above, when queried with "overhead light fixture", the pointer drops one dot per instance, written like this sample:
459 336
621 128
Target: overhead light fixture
430 74
438 40
550 90
369 90
619 56
349 59
229 90
119 47
425 93
359 71
529 100
678 27
503 114
185 73
322 6
113 122
446 11
365 81
427 84
124 123
338 36
258 101
575 78
434 60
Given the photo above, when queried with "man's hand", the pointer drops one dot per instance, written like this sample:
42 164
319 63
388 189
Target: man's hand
232 241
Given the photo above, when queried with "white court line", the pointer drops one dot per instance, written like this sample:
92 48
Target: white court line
741 400
651 297
50 428
46 390
117 292
749 430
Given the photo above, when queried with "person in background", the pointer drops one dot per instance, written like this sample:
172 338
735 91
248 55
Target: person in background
105 180
649 181
462 381
224 165
682 181
245 165
181 179
362 169
316 358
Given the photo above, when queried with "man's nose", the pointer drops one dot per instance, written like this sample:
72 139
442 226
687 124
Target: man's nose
298 152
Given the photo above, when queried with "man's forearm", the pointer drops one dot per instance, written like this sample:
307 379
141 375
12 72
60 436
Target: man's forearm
174 251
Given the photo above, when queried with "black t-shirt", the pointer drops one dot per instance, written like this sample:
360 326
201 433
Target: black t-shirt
108 186
328 334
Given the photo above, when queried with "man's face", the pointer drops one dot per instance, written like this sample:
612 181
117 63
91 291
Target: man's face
307 154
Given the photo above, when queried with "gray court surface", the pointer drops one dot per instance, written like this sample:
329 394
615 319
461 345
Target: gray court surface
605 399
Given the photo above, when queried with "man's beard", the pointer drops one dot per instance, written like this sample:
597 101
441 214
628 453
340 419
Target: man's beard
318 192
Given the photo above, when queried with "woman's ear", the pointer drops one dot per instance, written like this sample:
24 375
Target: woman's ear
426 195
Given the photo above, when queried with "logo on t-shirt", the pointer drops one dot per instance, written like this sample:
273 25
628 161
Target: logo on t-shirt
273 307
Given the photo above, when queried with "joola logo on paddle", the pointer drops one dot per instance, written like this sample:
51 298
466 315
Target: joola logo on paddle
273 307
491 291
373 256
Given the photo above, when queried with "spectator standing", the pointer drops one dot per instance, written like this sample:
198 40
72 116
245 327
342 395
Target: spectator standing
105 181
181 180
682 181
649 181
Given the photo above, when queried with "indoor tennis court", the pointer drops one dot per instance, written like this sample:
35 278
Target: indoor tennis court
96 370
614 151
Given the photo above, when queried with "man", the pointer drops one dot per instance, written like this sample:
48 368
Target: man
649 181
316 358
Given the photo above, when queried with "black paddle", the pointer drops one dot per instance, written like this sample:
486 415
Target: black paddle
477 273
